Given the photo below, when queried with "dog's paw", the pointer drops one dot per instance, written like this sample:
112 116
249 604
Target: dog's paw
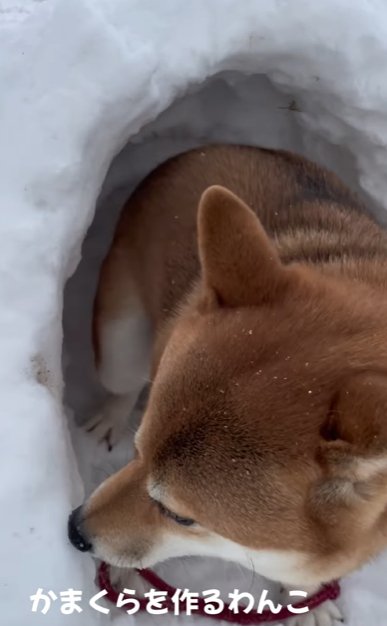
105 429
327 614
110 424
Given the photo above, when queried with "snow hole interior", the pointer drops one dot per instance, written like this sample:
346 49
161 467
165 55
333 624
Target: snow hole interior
232 108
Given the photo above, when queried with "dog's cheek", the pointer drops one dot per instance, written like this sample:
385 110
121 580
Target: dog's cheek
174 543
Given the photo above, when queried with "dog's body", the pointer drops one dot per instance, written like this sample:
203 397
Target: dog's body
267 342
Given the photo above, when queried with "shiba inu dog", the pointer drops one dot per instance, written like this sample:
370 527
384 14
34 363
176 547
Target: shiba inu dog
251 288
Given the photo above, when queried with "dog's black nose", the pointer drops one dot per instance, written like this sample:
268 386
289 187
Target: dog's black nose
76 532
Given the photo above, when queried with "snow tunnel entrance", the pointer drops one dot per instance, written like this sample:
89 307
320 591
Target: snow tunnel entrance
230 108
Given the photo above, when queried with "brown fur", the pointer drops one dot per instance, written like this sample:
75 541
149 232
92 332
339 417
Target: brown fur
266 421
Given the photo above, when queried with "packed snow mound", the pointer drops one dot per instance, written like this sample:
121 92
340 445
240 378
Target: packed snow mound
79 79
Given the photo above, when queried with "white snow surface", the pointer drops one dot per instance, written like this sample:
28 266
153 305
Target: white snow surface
79 80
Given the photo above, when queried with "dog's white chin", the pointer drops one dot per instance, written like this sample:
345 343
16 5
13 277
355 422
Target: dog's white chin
286 567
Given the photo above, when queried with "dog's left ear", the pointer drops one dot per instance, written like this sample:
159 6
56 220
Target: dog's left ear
354 436
240 263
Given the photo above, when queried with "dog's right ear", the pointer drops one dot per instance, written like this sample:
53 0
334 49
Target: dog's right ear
240 264
354 435
353 453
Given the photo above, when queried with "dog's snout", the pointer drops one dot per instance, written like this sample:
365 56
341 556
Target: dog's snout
76 531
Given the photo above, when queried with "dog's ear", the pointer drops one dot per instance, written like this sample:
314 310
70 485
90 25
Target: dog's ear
354 436
240 263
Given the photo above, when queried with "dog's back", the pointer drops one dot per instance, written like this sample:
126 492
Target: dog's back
310 213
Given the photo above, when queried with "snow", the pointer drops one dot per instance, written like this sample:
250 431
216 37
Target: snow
79 79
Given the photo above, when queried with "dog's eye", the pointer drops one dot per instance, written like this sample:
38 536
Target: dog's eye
183 521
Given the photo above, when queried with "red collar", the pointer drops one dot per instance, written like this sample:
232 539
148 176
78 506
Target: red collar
328 592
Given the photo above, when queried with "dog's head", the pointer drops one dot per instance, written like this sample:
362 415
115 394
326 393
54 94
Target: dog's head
265 436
